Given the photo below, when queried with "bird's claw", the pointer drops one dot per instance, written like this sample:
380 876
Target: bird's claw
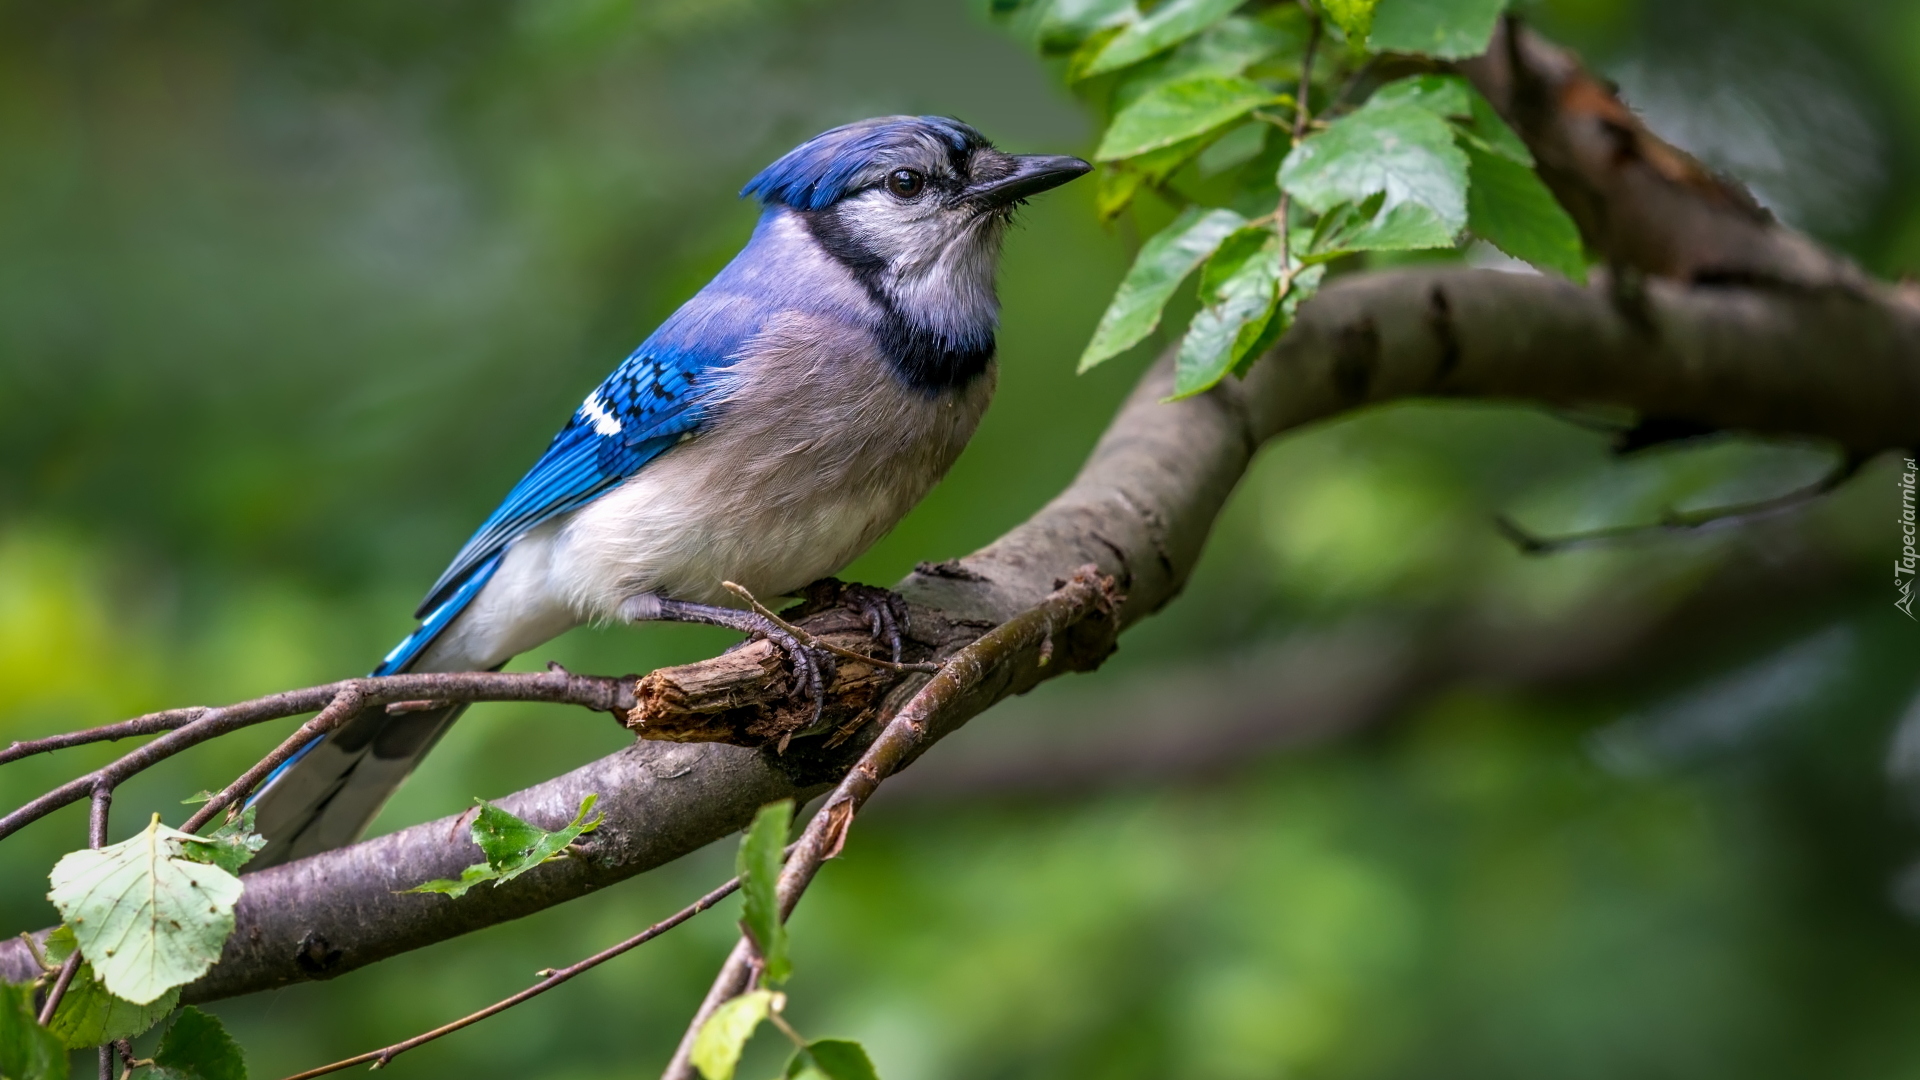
885 611
813 667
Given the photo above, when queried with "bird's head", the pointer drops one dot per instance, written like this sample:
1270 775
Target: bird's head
915 206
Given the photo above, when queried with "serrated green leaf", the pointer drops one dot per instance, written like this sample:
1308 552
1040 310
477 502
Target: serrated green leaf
197 1047
1443 95
1169 24
1180 110
1511 209
1239 288
512 847
1163 263
228 847
1353 17
840 1059
1444 29
1403 151
1229 47
89 1015
1065 25
477 874
716 1050
27 1050
1226 49
60 944
1489 132
146 917
761 853
1306 282
1231 257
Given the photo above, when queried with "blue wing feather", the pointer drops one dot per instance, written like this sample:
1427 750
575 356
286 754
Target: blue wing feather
649 402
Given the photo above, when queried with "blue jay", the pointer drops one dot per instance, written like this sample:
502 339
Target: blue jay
767 433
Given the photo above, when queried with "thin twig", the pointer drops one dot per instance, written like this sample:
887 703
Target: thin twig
342 706
150 724
381 1057
1086 593
60 984
807 638
96 838
1302 112
1672 520
600 693
97 815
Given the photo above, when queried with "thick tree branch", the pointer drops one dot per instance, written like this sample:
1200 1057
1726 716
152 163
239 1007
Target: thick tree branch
1639 200
1774 337
1834 364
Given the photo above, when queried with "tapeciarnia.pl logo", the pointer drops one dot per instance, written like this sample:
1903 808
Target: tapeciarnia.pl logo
1904 566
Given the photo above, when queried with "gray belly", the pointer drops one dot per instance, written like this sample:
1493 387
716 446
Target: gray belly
817 450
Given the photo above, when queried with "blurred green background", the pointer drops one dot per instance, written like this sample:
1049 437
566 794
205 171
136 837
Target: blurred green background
289 294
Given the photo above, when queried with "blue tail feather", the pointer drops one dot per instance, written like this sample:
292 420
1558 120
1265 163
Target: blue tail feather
403 654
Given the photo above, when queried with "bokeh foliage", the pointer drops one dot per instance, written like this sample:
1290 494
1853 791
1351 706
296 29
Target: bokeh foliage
288 296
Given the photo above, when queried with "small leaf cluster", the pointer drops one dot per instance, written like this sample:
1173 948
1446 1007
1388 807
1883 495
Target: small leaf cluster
722 1039
1204 107
512 847
147 916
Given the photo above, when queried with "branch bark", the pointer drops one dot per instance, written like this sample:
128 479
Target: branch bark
1838 365
1639 200
1773 337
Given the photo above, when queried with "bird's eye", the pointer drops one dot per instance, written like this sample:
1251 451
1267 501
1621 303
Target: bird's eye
906 183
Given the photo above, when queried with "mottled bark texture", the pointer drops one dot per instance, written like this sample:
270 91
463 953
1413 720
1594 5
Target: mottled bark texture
1741 326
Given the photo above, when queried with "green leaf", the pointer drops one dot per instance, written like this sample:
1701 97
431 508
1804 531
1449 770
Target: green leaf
1474 120
197 1047
759 868
147 918
1066 24
1442 95
1114 190
716 1050
1444 29
476 874
512 847
1171 23
1229 47
1162 264
1401 150
228 847
60 944
1180 110
1306 282
89 1015
834 1059
1353 17
1511 209
1240 286
1155 166
1234 149
1486 130
27 1050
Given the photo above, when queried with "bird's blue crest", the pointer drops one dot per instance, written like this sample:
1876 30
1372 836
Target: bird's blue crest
818 172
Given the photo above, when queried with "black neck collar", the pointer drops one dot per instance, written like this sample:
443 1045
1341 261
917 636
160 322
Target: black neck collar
924 359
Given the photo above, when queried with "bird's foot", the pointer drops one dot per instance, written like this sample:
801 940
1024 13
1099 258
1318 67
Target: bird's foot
885 611
813 663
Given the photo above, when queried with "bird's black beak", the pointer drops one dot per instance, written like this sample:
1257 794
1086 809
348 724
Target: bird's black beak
1031 175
